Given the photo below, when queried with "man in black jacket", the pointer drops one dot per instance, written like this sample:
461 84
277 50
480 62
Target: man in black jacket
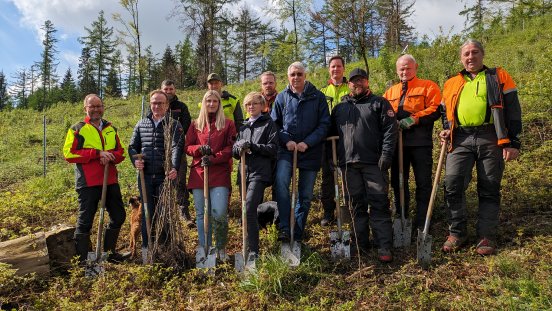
367 129
179 111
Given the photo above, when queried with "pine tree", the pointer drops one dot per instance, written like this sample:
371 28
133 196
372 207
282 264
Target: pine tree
87 82
19 89
48 63
169 66
398 33
4 98
68 88
131 36
99 41
186 69
247 38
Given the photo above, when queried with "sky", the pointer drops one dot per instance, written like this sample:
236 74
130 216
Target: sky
21 20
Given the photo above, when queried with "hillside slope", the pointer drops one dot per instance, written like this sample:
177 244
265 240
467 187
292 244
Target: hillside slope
519 277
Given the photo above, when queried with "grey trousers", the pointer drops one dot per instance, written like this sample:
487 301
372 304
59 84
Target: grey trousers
474 146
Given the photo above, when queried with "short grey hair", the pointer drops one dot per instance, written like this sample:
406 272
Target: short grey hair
477 44
408 57
296 65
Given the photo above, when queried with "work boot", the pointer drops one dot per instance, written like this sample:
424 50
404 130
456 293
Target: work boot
110 242
82 245
384 255
190 222
485 247
453 243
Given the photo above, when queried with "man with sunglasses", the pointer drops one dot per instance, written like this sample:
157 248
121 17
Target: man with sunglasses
301 113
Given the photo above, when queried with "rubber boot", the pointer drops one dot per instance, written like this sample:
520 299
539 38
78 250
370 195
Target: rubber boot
110 242
82 246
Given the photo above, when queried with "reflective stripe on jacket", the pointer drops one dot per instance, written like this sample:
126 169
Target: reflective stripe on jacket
335 93
421 101
512 110
83 144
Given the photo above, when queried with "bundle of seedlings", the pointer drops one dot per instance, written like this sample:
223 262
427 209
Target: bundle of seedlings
168 240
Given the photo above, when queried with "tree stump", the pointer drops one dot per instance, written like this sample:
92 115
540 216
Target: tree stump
41 252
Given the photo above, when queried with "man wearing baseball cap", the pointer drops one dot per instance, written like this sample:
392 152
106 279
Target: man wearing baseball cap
367 129
229 102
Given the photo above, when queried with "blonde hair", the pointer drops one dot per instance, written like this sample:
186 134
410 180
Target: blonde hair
254 97
203 118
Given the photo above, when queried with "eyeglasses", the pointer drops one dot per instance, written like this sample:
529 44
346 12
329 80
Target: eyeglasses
95 107
296 74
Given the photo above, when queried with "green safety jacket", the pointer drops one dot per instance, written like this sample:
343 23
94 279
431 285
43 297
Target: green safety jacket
334 93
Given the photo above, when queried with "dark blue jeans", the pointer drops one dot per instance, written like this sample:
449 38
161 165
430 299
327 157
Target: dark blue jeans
283 198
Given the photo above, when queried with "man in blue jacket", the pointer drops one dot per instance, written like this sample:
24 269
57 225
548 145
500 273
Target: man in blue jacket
302 115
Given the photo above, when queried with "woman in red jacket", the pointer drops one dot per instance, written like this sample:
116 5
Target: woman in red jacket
209 141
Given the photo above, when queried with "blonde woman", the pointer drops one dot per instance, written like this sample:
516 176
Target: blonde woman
209 142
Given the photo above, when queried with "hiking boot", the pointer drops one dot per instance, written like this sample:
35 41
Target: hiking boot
485 247
188 219
283 237
452 244
384 255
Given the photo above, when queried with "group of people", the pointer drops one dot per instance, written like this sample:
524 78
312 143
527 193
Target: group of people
481 118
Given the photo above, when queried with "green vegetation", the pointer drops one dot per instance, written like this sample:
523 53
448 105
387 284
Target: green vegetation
519 277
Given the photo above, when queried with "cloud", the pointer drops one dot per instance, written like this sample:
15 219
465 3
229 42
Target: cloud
429 15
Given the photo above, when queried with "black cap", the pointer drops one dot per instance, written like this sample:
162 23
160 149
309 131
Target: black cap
213 76
358 72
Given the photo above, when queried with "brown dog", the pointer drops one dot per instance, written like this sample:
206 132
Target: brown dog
135 223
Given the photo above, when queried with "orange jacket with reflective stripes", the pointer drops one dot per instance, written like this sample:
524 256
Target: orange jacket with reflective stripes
423 97
421 101
512 111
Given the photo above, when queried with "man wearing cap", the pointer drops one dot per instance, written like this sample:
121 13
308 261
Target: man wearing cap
229 102
367 129
337 87
416 103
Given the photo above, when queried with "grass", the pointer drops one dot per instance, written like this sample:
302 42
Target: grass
519 277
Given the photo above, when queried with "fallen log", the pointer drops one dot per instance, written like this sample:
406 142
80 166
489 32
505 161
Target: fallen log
41 252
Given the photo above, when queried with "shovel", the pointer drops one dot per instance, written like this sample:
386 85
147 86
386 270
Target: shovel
291 252
424 239
206 257
402 228
145 251
340 241
94 259
244 261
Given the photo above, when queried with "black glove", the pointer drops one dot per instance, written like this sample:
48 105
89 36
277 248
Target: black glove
205 161
242 145
205 150
384 163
